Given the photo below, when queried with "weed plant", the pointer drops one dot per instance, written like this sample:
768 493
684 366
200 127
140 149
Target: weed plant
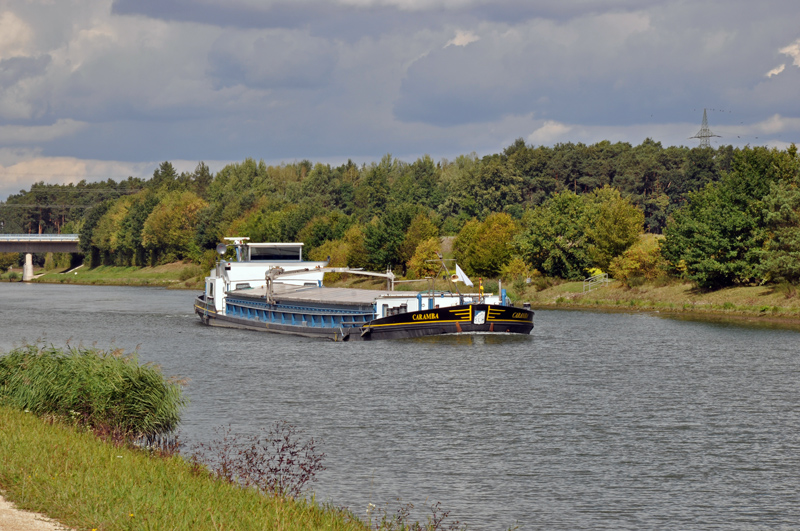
107 391
278 461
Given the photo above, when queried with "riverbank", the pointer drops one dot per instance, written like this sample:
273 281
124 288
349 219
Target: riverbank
73 477
765 304
177 275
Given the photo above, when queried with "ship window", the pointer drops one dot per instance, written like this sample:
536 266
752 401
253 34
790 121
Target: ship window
288 252
210 289
243 285
385 310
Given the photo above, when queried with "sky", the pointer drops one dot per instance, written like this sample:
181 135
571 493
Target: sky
97 89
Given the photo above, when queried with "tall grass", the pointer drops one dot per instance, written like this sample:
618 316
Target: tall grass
107 391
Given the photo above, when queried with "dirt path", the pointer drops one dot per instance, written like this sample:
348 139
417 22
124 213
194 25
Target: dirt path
12 519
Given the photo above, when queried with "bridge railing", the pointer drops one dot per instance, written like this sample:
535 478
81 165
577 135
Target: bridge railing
39 237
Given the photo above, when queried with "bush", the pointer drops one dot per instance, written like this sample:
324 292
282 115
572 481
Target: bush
642 261
106 391
190 271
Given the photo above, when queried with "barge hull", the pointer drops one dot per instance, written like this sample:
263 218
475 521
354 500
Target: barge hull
467 318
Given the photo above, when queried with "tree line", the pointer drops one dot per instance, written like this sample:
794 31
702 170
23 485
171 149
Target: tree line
718 217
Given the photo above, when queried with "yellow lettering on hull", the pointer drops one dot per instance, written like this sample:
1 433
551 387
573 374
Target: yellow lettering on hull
425 316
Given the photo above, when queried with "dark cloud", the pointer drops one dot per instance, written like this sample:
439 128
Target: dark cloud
15 69
277 60
273 15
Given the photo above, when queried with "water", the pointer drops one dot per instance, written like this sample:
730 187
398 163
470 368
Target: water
595 421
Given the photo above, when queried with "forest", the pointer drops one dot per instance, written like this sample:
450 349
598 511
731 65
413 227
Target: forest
716 217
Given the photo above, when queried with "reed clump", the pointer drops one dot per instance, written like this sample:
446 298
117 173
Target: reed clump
107 391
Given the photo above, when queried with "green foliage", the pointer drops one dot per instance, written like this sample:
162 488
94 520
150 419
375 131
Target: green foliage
334 252
612 225
484 248
419 230
781 254
719 236
8 260
321 229
315 203
104 390
170 227
642 260
420 264
356 250
384 235
553 239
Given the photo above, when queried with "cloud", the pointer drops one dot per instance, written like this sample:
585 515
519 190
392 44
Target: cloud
793 51
15 35
11 135
462 38
549 133
272 59
775 71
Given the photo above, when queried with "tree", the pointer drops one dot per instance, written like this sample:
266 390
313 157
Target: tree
484 248
420 230
168 231
612 225
424 262
781 253
718 236
553 238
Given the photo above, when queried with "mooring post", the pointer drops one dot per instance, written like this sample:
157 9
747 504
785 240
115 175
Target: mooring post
27 269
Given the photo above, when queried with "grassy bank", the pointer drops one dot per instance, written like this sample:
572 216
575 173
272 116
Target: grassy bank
756 303
178 275
71 476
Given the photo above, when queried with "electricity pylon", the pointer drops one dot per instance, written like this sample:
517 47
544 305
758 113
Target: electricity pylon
705 133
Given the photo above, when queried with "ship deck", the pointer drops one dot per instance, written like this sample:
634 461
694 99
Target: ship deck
320 295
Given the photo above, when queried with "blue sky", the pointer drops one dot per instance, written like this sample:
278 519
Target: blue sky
99 88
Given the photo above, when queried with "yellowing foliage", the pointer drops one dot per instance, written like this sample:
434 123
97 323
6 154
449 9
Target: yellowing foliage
169 228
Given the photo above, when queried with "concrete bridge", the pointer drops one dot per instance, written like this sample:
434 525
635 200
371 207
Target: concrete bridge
37 243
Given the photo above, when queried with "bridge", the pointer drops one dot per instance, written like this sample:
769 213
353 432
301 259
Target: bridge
37 243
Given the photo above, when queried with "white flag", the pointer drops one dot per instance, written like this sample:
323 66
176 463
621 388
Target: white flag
462 276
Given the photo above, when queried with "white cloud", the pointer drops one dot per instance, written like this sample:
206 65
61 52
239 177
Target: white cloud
462 38
550 132
15 35
778 124
775 71
793 51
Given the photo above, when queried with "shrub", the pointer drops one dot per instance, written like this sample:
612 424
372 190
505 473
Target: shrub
190 271
104 390
642 260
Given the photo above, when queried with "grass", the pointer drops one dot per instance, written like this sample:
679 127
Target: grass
71 476
178 275
767 303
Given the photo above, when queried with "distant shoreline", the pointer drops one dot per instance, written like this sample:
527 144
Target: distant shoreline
751 304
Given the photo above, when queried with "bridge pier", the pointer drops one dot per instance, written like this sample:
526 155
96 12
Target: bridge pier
27 269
